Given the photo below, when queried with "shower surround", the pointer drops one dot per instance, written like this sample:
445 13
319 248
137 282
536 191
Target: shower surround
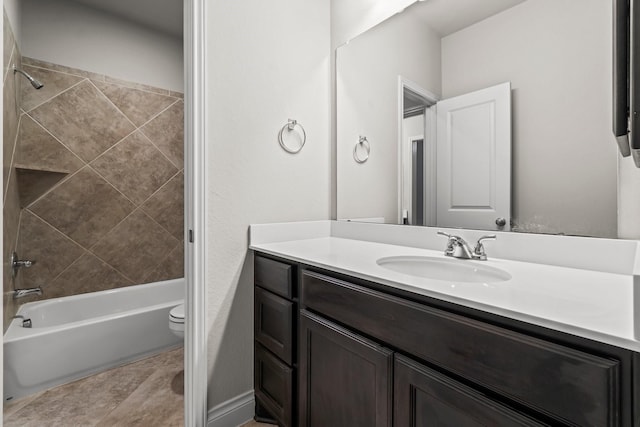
99 168
10 197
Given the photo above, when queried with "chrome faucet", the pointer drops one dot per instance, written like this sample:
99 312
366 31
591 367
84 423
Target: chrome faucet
458 248
21 293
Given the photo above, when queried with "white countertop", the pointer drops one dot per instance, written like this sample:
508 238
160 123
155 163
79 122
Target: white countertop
598 305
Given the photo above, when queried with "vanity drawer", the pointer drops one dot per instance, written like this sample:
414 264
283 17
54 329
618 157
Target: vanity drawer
568 385
273 383
273 326
275 276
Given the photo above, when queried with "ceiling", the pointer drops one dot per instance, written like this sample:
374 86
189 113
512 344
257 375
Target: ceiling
160 15
443 16
448 16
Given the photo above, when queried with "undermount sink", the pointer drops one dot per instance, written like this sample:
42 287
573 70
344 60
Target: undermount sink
451 270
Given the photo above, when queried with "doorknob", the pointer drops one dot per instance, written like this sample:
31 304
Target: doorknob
501 222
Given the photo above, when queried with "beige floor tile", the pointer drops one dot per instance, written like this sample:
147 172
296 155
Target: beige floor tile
135 394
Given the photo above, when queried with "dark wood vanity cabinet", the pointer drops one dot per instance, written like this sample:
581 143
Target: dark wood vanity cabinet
275 311
370 355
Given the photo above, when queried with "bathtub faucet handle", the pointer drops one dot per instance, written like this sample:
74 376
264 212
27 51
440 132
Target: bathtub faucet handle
24 263
17 264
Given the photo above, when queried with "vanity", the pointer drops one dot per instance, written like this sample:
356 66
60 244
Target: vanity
341 339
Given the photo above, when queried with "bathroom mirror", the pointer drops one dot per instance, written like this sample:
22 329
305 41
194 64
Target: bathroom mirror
559 165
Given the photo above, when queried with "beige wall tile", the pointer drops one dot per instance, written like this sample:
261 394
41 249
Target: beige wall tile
85 207
167 132
172 267
86 274
71 123
136 246
84 120
166 206
45 245
10 125
39 150
11 221
135 167
8 44
138 105
54 84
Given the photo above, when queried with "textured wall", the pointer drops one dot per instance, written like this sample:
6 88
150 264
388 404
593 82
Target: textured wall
100 175
255 81
11 207
367 104
79 36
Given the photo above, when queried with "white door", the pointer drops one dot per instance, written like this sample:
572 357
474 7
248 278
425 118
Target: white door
474 160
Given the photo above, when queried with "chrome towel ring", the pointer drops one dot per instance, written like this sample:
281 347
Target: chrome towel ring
290 127
364 143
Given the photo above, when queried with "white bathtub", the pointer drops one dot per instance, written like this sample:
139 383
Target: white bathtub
73 337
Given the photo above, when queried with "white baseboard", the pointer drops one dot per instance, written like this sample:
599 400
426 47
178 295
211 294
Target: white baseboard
234 412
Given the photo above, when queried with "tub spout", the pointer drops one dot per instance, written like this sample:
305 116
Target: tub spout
21 293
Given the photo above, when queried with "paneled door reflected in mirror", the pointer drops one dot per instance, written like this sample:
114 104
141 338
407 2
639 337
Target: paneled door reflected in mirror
456 158
551 167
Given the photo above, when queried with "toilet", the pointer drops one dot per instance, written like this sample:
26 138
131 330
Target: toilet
176 320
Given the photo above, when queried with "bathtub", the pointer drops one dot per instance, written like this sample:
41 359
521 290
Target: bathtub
76 336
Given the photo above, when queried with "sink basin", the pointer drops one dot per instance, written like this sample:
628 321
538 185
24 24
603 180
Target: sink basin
452 270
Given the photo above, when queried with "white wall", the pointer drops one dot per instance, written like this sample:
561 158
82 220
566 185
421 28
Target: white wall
367 104
71 34
348 20
628 199
13 9
557 55
266 62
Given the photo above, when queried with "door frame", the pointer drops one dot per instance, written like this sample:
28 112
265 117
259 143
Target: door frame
429 137
195 348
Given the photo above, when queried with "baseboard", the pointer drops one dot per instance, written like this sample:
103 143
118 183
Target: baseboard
234 412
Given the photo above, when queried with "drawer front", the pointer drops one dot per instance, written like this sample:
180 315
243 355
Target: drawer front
273 382
274 275
569 385
424 397
273 326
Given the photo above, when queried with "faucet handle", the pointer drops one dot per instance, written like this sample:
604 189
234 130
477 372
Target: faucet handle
478 251
450 242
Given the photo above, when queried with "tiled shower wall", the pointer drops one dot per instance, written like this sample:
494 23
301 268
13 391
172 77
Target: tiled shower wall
10 198
99 166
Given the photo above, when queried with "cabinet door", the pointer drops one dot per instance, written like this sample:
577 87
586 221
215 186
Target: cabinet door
345 379
424 398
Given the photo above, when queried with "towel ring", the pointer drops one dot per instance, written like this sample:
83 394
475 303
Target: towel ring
364 143
289 127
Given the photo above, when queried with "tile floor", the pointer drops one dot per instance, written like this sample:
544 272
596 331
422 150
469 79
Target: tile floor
144 393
